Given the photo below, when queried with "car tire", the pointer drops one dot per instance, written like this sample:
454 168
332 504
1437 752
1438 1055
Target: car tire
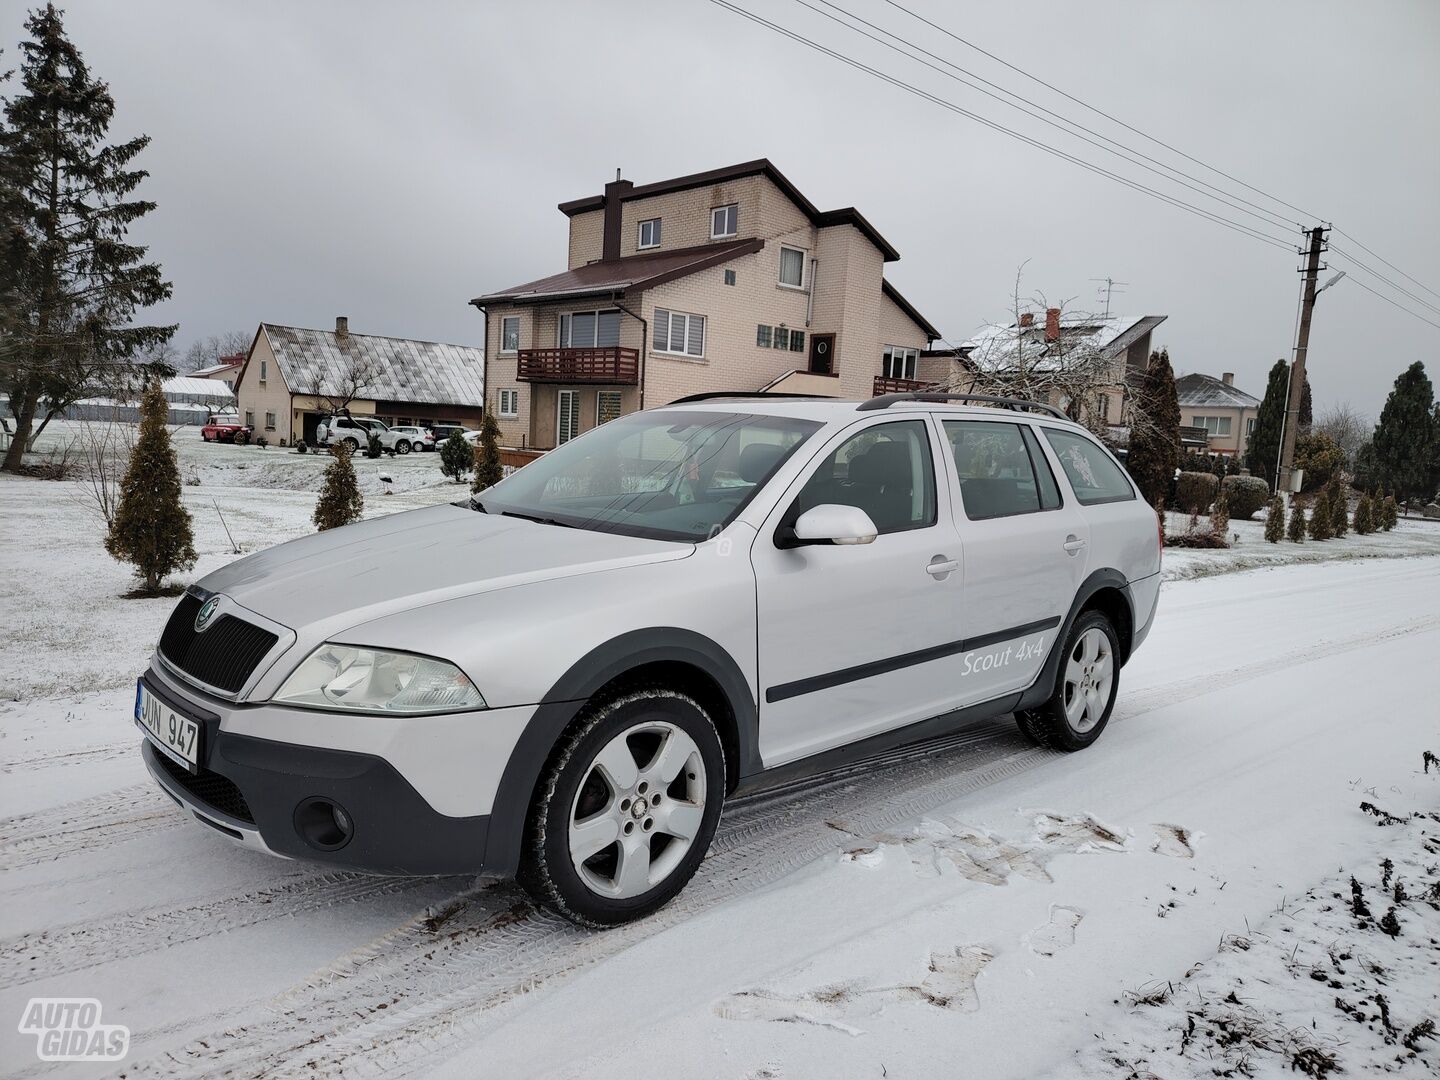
402 447
240 438
606 781
1086 682
353 444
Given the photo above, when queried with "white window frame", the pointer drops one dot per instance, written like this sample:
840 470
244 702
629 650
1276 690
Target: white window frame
561 324
688 318
561 438
264 369
655 234
1211 424
909 361
513 396
781 273
619 406
270 421
504 321
727 211
250 418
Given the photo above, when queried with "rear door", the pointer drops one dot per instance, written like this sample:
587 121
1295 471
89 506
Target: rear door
857 639
1025 552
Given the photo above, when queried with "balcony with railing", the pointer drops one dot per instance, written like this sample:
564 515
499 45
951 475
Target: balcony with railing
606 364
885 385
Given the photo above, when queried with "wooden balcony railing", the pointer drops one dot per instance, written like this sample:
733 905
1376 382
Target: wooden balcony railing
602 365
885 385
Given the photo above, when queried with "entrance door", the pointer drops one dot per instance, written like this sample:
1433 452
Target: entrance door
822 354
567 416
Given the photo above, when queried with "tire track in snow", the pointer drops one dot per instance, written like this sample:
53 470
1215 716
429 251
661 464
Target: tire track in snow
79 827
26 958
405 1001
87 756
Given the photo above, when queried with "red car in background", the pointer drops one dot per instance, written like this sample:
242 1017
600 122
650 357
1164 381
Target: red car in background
218 430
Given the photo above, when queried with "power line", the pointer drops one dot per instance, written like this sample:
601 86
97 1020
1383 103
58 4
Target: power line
1100 112
1392 266
944 103
1231 200
1355 260
1394 303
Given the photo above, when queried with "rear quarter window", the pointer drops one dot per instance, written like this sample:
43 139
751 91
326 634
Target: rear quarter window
1093 474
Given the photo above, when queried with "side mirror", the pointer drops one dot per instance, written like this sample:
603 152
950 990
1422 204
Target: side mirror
833 523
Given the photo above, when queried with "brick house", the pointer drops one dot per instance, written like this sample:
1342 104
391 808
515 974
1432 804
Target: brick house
293 376
1220 408
724 280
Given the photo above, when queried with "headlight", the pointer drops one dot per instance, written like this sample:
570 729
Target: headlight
368 680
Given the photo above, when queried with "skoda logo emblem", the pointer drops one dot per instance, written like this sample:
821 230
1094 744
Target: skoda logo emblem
206 612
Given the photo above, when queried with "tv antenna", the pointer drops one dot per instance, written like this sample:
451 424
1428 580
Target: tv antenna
1107 287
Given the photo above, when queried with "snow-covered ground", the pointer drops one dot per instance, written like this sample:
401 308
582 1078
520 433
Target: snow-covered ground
978 907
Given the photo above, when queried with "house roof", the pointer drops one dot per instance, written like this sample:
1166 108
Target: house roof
228 365
760 167
190 386
996 347
909 309
423 372
1197 390
615 278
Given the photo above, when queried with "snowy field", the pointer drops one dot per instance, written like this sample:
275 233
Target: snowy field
1175 902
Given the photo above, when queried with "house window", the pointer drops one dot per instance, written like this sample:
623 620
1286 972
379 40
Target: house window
607 406
899 362
510 333
590 329
730 277
762 337
724 221
1102 407
792 267
679 333
567 416
1249 427
510 403
649 234
797 340
1214 425
264 370
250 418
269 421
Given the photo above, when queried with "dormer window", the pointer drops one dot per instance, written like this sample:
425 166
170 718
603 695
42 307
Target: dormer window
725 222
649 234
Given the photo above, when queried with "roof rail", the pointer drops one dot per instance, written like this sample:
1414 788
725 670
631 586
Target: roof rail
715 394
884 401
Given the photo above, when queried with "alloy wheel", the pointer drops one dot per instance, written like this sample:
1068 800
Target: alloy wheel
1089 676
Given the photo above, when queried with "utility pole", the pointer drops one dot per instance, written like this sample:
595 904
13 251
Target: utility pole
1297 369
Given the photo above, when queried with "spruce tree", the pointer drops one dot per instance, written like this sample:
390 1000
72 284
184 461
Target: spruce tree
1295 531
1275 519
456 457
1339 517
1264 446
1405 437
72 282
1155 438
151 528
1320 517
488 469
340 501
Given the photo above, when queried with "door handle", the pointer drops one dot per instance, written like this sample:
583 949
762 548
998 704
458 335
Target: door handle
1073 544
939 567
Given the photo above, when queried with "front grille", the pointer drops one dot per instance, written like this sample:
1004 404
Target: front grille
212 789
223 656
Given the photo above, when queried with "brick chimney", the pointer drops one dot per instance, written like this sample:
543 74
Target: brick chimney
342 326
615 193
1027 318
1228 378
1052 324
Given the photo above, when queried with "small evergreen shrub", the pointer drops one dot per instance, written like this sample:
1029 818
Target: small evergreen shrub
1321 459
1295 531
1364 521
301 447
1339 519
1391 513
456 457
1275 519
340 500
1195 491
373 446
1320 517
1245 494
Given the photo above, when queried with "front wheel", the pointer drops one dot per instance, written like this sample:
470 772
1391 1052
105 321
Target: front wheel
626 809
1085 687
402 447
241 438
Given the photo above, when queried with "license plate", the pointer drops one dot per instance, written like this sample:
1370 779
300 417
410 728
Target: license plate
176 735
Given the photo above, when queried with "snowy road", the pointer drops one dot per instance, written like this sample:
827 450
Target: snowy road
979 902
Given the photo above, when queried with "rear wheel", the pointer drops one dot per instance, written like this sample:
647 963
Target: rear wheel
1085 686
352 443
402 447
626 809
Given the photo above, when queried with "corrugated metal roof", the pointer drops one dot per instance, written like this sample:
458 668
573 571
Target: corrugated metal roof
1205 391
423 372
187 386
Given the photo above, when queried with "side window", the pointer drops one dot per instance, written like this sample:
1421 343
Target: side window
1092 473
1001 470
885 470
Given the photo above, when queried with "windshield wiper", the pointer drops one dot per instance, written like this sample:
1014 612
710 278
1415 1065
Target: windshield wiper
476 504
535 518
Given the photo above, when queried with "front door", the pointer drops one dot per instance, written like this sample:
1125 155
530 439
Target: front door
853 639
822 354
567 416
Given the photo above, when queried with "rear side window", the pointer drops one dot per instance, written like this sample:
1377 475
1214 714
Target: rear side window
1092 473
1001 471
885 470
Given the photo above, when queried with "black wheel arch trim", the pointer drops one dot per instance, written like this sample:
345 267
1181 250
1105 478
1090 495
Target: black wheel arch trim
572 691
1099 580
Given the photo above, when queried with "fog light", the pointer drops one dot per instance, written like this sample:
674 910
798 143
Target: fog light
323 824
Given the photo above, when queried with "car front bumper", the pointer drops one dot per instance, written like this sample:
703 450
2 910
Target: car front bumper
264 794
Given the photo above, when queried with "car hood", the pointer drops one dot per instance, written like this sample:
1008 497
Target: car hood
343 577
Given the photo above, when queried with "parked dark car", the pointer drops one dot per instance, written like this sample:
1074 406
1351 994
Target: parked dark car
443 432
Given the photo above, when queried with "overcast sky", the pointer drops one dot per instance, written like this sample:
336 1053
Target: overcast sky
388 161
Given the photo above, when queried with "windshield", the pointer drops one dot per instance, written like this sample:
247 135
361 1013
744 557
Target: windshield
678 475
